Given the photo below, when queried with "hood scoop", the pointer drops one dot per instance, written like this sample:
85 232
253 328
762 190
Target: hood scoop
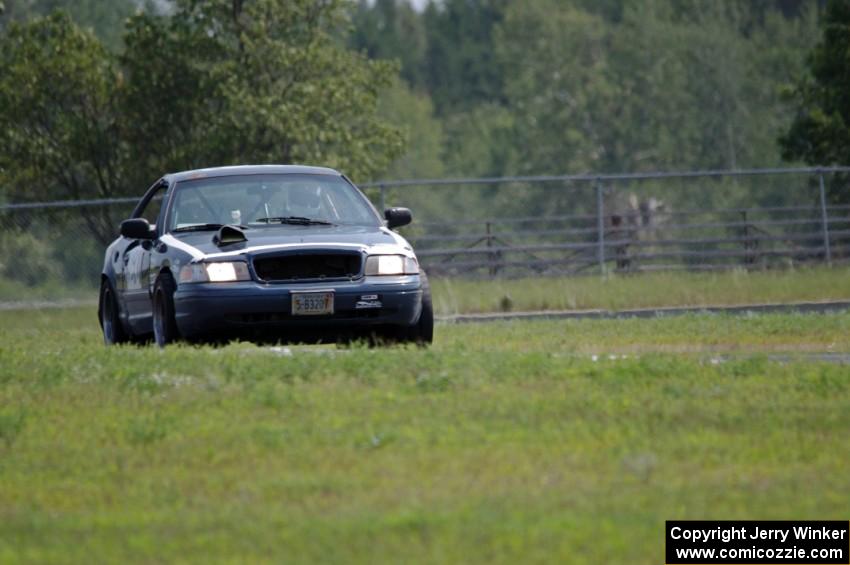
228 235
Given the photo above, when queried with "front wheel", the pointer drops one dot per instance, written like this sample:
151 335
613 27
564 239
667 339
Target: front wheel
164 325
422 332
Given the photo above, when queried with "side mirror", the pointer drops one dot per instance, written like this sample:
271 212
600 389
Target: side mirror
137 228
397 217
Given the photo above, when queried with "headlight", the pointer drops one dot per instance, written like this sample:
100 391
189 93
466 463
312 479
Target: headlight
391 265
215 272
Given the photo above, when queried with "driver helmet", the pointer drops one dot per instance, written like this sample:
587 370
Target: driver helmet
304 201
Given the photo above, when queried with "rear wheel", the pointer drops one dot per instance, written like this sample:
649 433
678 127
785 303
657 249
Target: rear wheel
110 322
164 325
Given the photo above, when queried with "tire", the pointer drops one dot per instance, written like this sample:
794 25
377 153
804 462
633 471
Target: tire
422 333
110 322
164 325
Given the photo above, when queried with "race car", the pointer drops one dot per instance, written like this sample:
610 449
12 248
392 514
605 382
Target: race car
267 253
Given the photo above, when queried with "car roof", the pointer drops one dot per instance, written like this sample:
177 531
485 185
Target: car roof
251 170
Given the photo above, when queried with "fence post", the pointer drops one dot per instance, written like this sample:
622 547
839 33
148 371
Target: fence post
383 198
748 244
600 225
490 256
824 221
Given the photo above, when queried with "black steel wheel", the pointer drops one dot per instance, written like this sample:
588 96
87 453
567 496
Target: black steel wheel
164 325
110 322
422 332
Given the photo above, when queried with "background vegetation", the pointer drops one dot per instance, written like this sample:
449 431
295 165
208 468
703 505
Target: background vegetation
483 87
207 83
100 98
548 87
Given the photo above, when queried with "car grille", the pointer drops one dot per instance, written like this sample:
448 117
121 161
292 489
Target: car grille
308 266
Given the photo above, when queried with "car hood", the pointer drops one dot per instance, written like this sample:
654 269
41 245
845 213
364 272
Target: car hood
267 239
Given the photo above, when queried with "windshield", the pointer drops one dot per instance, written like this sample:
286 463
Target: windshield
269 199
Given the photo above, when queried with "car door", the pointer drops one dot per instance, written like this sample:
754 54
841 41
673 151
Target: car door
135 263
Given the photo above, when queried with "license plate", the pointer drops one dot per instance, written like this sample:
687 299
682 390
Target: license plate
312 303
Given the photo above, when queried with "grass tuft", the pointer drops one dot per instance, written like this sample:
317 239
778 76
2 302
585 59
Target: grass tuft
11 424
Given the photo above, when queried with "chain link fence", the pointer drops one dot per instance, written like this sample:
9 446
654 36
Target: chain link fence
510 227
626 223
54 251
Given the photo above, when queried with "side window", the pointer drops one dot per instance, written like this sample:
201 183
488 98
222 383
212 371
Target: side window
154 206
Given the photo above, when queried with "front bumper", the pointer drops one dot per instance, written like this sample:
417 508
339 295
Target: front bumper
253 308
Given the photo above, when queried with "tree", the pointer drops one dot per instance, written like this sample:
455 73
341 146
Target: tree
219 82
820 131
256 81
462 70
665 85
413 113
556 85
391 30
105 19
59 118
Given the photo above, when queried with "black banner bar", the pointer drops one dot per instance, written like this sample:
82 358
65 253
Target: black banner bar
695 542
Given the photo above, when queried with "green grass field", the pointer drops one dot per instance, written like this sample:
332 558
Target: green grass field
645 290
504 443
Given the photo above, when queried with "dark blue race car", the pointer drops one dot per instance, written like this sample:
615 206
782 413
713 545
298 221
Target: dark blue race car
265 253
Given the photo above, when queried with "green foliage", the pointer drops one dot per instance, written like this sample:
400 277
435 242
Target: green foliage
218 82
21 249
270 85
389 29
481 142
820 132
60 120
447 50
104 18
492 87
461 69
414 113
542 86
57 111
556 84
666 87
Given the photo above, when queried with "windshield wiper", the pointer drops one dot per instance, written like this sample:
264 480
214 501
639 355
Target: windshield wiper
294 220
204 227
